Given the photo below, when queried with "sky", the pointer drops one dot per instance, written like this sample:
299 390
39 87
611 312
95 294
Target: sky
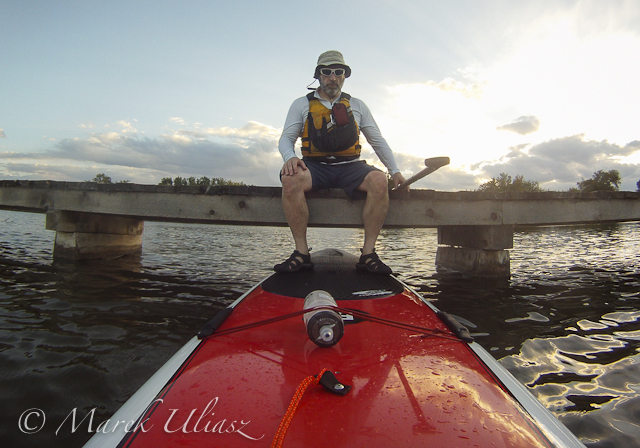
143 90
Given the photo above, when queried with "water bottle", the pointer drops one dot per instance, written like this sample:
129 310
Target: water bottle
324 327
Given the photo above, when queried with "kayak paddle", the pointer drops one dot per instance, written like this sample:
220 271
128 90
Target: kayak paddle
431 164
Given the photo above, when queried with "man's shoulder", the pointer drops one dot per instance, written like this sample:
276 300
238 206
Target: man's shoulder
300 105
300 99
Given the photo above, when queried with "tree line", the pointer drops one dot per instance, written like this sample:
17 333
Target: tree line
600 181
102 178
203 181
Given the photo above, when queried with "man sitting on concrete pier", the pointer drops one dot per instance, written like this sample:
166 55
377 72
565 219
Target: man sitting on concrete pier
329 122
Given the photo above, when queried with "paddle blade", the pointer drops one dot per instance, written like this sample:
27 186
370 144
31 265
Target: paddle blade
437 162
431 164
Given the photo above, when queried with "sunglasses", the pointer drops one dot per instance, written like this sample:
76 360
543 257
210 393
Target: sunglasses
331 71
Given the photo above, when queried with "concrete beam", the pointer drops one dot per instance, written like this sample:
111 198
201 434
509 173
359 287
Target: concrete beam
474 262
67 221
82 236
475 251
477 237
261 205
95 220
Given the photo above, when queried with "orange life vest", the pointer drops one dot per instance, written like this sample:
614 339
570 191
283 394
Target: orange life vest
330 135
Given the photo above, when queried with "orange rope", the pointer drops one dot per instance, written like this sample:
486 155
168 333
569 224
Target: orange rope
291 410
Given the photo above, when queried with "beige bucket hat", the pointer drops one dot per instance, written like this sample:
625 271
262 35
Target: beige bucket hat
331 57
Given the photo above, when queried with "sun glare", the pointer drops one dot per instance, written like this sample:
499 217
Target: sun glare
571 86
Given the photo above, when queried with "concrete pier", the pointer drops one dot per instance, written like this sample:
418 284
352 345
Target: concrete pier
475 251
83 236
475 229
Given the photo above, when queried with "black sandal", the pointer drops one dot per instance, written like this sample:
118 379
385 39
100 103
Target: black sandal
296 262
372 263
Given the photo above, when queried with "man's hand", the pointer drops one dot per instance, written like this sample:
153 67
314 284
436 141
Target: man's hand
398 178
290 167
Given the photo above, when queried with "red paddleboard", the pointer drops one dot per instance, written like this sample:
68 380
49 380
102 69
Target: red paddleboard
402 377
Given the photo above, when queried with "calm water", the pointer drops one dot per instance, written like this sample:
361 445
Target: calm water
86 336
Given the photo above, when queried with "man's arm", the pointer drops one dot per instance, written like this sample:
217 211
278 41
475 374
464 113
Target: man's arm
372 133
293 126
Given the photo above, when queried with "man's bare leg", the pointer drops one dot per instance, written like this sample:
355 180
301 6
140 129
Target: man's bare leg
375 209
294 204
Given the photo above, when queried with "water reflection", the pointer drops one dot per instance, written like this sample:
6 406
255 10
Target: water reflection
87 335
566 325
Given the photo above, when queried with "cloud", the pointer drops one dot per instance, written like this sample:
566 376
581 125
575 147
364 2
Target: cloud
467 90
523 125
574 83
247 154
177 120
127 127
558 164
63 170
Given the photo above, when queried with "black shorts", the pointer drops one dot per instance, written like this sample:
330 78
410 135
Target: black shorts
346 175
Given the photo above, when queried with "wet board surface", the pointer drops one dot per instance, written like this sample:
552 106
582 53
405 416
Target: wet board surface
408 389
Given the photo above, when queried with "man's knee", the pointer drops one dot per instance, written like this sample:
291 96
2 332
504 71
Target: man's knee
377 183
295 183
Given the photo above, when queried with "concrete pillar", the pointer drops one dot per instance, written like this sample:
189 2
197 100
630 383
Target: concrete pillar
475 251
82 236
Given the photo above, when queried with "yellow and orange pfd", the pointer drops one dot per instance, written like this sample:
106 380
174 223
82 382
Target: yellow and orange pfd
330 135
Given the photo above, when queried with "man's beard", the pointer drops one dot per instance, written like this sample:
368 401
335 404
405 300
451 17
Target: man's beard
332 89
